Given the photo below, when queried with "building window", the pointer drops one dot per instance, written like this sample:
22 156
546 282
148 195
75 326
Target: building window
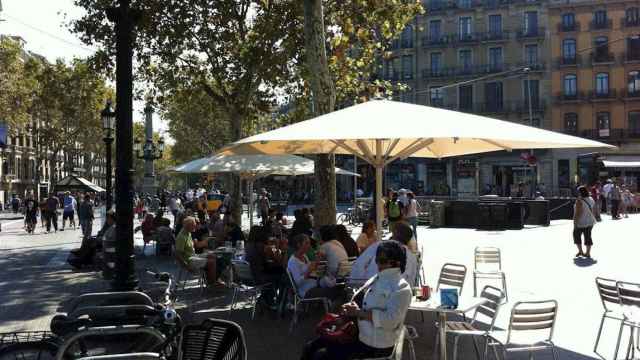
531 54
465 97
633 49
495 25
571 123
568 22
395 68
407 67
495 59
534 87
569 51
436 96
604 124
464 28
633 83
602 84
21 140
600 20
407 37
436 64
435 29
465 61
634 122
570 85
632 16
601 47
531 23
494 96
464 4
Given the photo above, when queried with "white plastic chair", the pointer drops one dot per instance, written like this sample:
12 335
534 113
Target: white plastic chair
530 329
488 265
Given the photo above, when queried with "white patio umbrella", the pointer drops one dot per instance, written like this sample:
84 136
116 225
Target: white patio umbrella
251 167
381 131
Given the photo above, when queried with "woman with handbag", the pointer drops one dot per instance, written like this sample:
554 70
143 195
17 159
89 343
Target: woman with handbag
583 221
379 316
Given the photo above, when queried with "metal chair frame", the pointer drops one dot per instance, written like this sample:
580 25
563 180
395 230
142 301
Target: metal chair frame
226 334
408 334
488 310
529 316
629 295
245 283
489 256
297 300
608 291
452 275
185 274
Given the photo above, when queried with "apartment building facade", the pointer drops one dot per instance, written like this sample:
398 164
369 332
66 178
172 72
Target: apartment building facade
505 44
595 46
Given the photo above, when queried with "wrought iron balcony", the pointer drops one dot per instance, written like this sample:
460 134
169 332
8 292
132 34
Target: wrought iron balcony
495 4
575 26
602 57
529 33
495 35
523 106
627 23
608 94
467 37
633 94
569 97
632 56
568 61
435 41
600 25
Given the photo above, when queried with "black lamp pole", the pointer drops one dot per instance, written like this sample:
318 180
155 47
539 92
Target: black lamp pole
108 124
124 18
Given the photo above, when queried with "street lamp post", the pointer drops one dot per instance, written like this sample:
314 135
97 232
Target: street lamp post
148 151
108 125
125 19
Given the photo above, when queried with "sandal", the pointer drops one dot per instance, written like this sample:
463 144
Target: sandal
579 254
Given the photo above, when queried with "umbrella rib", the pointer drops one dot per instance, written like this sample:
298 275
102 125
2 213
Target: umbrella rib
391 147
495 143
366 151
415 146
342 144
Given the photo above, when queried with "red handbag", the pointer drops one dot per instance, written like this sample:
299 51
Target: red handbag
337 328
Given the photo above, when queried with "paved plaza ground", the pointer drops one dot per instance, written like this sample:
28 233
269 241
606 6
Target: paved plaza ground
538 261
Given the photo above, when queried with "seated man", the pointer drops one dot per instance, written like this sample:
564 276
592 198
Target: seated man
185 250
233 233
365 265
333 252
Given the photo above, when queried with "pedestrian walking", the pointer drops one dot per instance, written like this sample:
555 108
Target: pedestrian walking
68 212
616 197
85 216
595 195
264 205
411 213
52 212
583 221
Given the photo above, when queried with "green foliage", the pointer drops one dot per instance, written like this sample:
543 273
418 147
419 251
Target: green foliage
15 93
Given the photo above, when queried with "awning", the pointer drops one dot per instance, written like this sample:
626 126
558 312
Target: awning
621 164
76 183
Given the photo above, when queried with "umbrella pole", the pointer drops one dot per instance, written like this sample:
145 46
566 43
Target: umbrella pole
378 199
250 197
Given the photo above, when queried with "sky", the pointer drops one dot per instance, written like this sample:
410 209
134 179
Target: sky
41 23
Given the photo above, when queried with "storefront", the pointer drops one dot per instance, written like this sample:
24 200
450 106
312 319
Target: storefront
600 167
466 178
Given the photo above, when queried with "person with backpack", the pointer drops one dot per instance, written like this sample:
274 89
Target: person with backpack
583 221
394 209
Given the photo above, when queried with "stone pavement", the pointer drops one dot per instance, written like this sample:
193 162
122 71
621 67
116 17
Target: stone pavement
538 261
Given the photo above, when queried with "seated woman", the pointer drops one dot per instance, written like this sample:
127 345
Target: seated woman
380 316
369 236
333 252
301 270
266 260
350 246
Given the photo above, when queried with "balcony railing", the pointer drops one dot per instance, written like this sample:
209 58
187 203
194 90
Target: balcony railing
436 73
608 94
568 61
495 4
602 57
632 56
466 37
605 134
494 35
600 25
563 97
523 106
433 41
626 23
530 33
575 26
631 94
539 66
437 5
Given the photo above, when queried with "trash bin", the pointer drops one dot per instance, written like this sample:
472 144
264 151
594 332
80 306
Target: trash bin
484 216
437 214
516 215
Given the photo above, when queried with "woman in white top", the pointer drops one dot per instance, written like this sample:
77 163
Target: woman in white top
583 221
380 315
368 236
301 270
333 252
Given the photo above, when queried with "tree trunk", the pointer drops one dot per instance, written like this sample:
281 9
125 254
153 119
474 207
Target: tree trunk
324 98
236 190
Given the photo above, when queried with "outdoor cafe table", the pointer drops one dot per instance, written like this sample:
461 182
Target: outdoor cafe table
465 304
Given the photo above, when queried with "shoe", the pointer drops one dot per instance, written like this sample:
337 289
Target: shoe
588 256
579 254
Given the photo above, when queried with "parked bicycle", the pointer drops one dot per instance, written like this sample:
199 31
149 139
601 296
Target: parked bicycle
354 216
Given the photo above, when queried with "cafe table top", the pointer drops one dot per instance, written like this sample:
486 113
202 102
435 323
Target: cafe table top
465 304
